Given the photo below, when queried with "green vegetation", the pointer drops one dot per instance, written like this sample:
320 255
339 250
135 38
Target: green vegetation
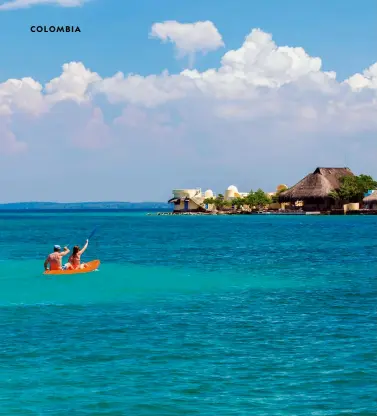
238 202
219 202
209 201
353 188
258 199
261 199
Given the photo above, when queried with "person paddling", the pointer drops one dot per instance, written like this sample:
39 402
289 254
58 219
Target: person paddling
74 261
55 259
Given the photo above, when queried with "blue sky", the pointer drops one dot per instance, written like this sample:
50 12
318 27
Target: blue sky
115 37
115 33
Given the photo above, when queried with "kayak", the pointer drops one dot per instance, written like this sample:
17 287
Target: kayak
90 267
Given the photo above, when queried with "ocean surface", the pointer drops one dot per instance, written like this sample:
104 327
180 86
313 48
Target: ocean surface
239 315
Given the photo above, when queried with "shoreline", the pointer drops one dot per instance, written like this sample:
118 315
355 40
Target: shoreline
222 213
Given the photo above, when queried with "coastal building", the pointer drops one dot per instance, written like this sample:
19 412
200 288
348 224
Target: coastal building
370 201
312 192
191 200
232 192
277 205
282 187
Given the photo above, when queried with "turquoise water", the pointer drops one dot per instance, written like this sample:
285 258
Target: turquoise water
251 315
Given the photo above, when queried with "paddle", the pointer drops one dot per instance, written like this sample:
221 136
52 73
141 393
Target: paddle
91 235
93 232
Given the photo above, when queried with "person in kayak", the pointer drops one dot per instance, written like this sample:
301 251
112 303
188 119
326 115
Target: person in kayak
54 260
74 261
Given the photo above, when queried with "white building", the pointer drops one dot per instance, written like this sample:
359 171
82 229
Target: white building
191 200
232 192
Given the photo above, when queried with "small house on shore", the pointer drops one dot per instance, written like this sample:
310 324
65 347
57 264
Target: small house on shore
312 192
370 201
190 200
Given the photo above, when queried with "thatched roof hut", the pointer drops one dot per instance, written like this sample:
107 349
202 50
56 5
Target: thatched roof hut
316 186
371 199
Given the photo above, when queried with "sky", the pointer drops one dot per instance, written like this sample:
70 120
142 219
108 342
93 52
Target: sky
153 96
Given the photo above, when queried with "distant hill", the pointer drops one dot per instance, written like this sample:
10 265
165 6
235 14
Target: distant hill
82 205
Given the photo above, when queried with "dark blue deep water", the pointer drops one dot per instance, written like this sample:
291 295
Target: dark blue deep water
240 315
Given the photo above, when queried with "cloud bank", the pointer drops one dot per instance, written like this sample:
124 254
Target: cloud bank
265 115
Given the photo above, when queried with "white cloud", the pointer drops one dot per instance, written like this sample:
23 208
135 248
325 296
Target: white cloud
260 77
72 84
29 96
189 37
260 62
23 4
263 104
21 95
149 91
366 80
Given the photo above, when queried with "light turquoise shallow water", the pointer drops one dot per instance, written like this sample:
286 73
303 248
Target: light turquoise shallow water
255 315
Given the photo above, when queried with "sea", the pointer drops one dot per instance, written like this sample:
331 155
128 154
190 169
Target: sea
190 315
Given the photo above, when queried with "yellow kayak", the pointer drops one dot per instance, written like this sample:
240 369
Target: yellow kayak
90 267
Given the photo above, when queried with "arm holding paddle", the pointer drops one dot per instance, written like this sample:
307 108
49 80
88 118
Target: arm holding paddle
74 265
65 252
84 248
54 259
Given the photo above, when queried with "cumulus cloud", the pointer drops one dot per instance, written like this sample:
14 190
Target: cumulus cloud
21 95
29 96
259 62
189 38
271 104
257 80
72 84
366 80
149 91
23 4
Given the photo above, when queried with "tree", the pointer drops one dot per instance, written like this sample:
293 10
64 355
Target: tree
250 199
367 183
353 188
209 201
261 199
334 195
238 202
218 202
257 199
